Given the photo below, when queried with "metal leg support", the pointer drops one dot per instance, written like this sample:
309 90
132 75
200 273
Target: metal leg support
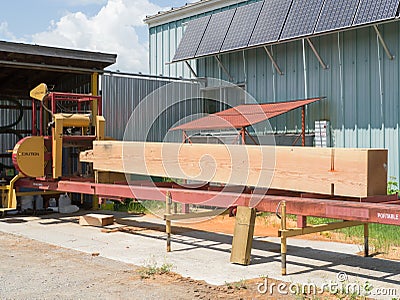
366 243
168 202
283 238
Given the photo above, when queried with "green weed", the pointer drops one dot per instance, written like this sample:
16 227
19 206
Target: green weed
152 269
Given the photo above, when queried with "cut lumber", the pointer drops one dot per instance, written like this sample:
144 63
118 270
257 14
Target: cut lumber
96 220
243 235
332 171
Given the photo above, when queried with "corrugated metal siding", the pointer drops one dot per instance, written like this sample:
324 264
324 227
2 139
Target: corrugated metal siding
360 113
164 40
159 109
362 106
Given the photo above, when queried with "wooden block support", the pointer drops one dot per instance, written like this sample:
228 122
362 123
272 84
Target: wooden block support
243 235
339 171
96 220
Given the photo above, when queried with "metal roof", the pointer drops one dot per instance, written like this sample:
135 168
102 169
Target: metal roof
23 66
244 115
187 11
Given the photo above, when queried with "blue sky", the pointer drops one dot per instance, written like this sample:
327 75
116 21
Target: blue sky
112 26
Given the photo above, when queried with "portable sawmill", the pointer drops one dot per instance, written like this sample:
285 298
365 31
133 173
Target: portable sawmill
59 121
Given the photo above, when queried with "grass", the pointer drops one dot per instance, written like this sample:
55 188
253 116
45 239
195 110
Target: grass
381 237
238 285
152 269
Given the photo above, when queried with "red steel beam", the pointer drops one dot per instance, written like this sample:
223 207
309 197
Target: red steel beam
383 213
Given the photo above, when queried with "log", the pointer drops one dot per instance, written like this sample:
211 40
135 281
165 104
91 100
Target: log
332 171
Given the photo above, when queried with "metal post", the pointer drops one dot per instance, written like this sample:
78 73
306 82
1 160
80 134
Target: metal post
34 115
283 238
366 244
168 202
303 126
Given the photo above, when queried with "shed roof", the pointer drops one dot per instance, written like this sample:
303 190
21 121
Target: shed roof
244 115
23 66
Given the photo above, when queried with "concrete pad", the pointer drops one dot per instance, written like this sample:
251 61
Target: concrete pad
205 256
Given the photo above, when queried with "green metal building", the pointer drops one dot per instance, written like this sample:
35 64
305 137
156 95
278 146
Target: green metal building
357 69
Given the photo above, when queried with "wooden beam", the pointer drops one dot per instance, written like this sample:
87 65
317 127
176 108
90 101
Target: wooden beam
337 171
243 235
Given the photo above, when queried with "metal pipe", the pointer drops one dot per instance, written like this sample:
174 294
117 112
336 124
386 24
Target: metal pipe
341 87
305 70
273 61
303 126
191 69
303 110
168 202
223 67
34 115
283 238
381 93
321 62
383 43
366 242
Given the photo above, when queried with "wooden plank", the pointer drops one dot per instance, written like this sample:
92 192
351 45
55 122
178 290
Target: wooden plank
96 220
338 171
243 235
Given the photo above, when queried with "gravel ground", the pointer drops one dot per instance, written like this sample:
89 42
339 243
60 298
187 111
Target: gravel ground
35 270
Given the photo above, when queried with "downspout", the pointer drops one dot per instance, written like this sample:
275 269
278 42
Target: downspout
381 92
304 109
341 88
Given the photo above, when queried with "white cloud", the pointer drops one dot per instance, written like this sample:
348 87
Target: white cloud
112 30
84 2
5 33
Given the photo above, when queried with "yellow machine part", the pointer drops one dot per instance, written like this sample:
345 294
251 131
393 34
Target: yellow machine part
39 92
28 156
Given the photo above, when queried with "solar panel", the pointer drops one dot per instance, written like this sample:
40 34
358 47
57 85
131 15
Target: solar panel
242 26
191 39
336 14
302 18
215 33
270 22
370 11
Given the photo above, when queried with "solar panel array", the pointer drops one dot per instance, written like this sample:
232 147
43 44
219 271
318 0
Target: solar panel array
243 22
375 10
269 21
192 38
302 18
215 33
336 14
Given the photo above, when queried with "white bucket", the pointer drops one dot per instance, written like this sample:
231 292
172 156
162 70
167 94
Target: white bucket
26 202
